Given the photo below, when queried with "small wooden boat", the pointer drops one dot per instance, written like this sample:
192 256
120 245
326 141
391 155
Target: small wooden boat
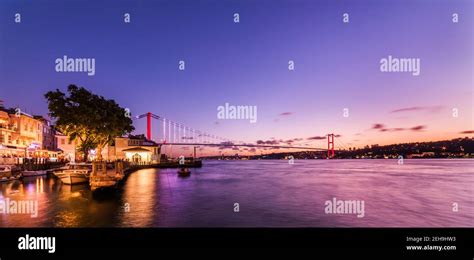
33 173
72 177
184 172
78 173
59 171
6 173
10 178
5 170
16 177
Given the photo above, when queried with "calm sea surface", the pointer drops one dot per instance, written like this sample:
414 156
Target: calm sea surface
419 193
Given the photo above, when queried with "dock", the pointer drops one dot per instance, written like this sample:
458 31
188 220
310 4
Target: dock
110 176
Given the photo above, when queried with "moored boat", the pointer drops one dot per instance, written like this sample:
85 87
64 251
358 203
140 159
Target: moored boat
33 173
77 173
6 173
184 172
59 171
5 169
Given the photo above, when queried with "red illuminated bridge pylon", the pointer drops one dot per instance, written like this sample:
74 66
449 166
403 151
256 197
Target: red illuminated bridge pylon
330 146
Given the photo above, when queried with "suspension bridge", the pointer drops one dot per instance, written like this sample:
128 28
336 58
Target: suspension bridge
173 133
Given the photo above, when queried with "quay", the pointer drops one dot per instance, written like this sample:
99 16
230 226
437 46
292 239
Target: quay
108 176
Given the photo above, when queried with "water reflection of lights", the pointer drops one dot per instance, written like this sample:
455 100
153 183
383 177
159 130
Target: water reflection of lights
140 196
75 194
68 219
39 185
30 188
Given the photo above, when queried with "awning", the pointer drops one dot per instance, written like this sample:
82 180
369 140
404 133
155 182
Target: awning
137 150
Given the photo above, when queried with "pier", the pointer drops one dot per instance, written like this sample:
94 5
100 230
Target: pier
110 175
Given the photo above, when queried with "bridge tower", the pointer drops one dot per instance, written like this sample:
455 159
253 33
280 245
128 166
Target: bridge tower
148 126
330 146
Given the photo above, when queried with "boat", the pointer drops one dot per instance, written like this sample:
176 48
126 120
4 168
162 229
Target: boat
33 173
59 171
14 177
6 174
77 173
5 169
184 172
11 178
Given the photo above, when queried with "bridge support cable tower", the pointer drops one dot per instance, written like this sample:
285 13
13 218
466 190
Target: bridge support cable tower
330 146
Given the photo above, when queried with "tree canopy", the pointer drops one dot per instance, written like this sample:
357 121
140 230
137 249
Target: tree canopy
87 117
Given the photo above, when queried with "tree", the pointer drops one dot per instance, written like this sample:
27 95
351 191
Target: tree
89 118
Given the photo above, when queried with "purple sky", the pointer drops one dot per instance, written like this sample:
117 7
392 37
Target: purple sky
337 64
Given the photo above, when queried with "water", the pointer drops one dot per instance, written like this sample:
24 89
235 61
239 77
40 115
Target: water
419 193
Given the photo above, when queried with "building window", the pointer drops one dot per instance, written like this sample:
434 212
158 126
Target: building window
2 139
63 142
9 139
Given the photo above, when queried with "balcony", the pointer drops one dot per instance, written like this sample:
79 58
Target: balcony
8 127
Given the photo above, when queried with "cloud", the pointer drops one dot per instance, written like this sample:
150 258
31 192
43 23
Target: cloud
397 129
378 126
392 129
383 128
291 141
467 132
268 142
418 128
432 109
316 138
227 143
286 114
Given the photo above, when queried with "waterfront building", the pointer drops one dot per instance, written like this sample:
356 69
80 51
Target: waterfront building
23 135
67 147
48 131
137 149
8 152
